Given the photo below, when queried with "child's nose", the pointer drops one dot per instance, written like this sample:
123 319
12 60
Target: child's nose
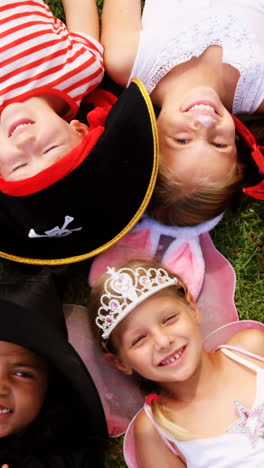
162 339
26 141
4 386
205 120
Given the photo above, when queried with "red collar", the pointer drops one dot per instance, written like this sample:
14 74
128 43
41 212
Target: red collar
256 191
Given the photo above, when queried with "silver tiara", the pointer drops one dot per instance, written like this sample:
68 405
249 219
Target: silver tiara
125 289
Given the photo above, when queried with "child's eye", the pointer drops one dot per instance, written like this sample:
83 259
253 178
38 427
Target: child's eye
50 148
219 145
182 141
138 340
169 318
19 167
26 375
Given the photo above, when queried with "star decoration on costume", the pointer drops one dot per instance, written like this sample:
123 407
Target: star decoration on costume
251 422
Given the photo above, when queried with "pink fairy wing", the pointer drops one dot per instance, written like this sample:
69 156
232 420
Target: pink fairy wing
223 334
119 394
216 300
129 445
136 244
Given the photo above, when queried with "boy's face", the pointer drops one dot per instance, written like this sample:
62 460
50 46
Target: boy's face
33 137
23 387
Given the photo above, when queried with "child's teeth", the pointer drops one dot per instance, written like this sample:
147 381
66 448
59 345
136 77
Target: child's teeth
20 126
5 411
201 107
173 358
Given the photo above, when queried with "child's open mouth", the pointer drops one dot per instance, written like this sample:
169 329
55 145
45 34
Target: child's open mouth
173 357
4 412
202 107
18 126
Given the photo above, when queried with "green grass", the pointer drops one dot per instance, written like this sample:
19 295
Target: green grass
239 237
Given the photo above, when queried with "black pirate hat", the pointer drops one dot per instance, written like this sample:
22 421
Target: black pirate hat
87 207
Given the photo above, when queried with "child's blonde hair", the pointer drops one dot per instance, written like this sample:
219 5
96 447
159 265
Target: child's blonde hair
161 414
163 417
173 203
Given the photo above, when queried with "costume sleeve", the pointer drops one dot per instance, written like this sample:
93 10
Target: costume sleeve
42 57
92 45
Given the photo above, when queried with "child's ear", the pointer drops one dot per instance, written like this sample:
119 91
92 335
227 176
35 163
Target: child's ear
80 127
116 362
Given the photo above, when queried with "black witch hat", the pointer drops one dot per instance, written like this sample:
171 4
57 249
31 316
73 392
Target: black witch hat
31 315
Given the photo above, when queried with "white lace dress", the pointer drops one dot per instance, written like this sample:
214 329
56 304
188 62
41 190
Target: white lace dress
174 31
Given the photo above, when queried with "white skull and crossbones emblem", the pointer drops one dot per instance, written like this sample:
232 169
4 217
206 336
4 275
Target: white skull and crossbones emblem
56 231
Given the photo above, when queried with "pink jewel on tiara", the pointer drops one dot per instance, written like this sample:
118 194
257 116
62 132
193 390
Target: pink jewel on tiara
114 304
109 320
122 284
144 281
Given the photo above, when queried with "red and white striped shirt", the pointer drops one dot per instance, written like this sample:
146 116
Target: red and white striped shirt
38 55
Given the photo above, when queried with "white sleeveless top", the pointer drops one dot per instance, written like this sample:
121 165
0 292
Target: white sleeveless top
174 31
230 450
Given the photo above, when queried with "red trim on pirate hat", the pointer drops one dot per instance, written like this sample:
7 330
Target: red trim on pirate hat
103 101
256 191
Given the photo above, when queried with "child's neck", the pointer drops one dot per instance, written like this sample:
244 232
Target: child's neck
200 384
206 70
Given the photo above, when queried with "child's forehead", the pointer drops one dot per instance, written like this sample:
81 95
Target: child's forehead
156 305
15 351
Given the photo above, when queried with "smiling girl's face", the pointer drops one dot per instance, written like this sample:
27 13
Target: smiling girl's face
160 339
197 137
23 387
